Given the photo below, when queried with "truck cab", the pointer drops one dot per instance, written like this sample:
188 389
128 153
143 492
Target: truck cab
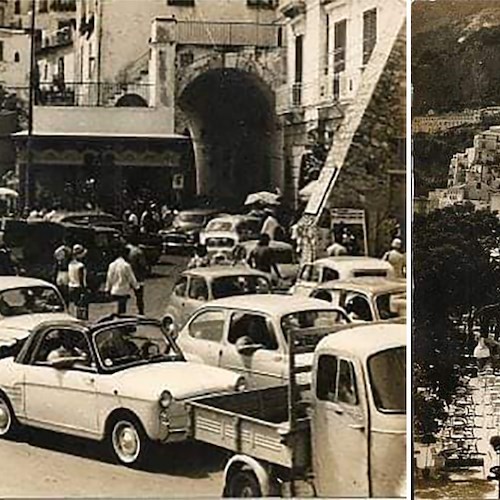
358 413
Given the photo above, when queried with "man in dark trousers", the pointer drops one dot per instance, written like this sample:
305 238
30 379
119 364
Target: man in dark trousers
262 257
139 263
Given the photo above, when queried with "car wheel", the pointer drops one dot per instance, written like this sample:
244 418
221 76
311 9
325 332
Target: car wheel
8 421
129 442
244 484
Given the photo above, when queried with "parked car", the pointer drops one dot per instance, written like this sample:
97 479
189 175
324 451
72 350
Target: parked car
33 244
88 218
366 299
24 304
195 287
224 233
249 334
320 271
191 222
121 380
285 259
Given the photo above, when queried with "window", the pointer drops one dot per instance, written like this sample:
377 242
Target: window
387 372
358 308
2 16
252 329
198 289
181 3
310 273
17 7
227 286
339 46
299 49
329 275
327 44
17 57
30 300
1 51
62 343
336 381
181 286
266 4
43 6
322 295
369 33
208 326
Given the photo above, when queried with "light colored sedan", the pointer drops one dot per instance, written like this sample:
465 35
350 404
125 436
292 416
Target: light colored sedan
367 298
24 304
195 287
121 380
249 334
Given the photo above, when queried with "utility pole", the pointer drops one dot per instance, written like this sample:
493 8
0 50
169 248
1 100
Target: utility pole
31 103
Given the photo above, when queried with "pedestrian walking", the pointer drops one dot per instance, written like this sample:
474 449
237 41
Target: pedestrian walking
62 258
7 265
77 281
337 249
139 264
271 225
396 258
121 280
482 353
262 257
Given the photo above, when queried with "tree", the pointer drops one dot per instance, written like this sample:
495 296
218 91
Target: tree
453 274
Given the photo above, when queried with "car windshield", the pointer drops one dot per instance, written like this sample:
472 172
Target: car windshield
310 326
191 218
30 300
227 286
391 305
130 344
220 225
387 371
220 242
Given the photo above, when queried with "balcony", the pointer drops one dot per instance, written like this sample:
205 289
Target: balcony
60 38
292 8
58 93
227 33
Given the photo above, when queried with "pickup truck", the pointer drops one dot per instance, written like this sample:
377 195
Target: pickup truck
342 435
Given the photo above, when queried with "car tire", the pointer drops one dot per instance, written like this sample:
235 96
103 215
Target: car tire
8 421
243 484
128 441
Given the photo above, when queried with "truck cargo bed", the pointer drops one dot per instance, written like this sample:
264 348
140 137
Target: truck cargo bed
254 423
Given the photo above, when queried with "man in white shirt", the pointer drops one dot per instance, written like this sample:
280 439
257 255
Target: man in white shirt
396 258
121 280
271 225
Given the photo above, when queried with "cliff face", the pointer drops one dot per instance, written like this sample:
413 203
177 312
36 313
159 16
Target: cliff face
455 55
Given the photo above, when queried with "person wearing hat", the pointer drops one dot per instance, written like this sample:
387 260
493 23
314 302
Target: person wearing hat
396 258
77 281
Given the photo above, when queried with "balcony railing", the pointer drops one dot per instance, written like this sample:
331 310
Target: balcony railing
60 38
228 34
93 94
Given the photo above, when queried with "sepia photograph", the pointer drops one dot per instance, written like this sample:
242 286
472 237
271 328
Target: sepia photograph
203 231
455 60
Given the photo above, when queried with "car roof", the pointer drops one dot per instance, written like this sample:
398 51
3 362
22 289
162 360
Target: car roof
270 303
199 211
235 218
214 271
82 213
369 284
9 282
350 261
276 245
364 340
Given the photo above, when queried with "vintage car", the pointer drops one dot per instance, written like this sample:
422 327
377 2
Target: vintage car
88 218
231 229
249 334
313 274
195 287
123 380
366 299
24 304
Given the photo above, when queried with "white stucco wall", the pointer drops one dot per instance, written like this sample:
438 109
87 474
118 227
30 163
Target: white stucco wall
14 74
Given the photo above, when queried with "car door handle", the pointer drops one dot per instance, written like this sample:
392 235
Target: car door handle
357 427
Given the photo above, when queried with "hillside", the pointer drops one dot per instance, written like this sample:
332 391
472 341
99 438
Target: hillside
455 55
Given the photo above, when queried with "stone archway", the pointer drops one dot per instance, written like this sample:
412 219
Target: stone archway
231 117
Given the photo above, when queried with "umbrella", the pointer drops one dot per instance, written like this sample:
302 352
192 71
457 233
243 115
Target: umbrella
263 198
307 191
8 193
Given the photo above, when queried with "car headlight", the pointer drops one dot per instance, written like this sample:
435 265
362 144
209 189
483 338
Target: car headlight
241 384
166 399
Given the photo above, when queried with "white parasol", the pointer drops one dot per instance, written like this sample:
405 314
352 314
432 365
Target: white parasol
263 198
8 193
